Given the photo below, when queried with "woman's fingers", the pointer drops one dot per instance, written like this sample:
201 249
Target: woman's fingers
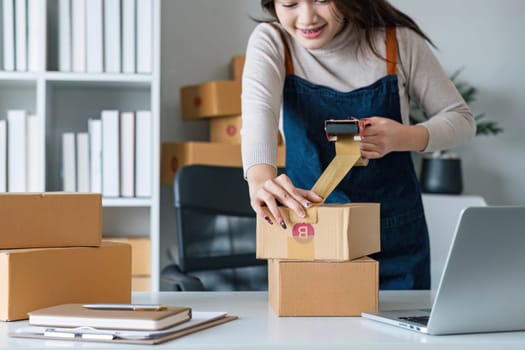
280 190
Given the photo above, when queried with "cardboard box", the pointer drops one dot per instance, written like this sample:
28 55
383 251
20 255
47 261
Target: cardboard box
177 155
335 232
226 129
140 253
140 283
298 288
35 278
237 66
52 219
211 99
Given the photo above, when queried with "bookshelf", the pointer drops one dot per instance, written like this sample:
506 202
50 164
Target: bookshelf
64 101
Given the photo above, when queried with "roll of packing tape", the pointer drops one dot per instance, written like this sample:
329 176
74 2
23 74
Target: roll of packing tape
347 154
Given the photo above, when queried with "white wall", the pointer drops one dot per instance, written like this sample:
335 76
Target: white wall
483 36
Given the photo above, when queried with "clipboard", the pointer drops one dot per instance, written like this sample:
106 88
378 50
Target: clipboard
178 331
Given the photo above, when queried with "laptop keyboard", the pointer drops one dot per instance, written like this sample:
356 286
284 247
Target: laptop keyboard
422 320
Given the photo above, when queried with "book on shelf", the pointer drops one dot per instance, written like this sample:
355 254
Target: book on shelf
69 162
21 35
94 36
144 36
64 35
112 37
95 155
34 169
8 31
127 154
78 35
143 154
16 150
110 153
34 45
82 162
3 156
78 315
128 36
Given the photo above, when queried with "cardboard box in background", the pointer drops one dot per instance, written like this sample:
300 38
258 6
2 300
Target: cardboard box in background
177 155
226 129
302 288
140 253
31 279
237 66
338 232
51 219
211 99
140 283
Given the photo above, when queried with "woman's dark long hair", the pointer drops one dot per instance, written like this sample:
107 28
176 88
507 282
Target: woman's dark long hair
369 15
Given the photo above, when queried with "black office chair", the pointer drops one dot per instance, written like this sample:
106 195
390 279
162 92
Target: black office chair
215 232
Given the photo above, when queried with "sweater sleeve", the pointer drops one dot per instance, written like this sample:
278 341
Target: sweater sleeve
450 120
262 86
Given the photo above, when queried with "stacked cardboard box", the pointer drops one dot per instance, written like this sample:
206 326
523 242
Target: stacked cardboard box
140 261
218 102
51 253
318 266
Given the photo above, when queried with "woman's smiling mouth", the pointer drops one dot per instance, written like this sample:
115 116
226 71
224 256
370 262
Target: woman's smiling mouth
311 33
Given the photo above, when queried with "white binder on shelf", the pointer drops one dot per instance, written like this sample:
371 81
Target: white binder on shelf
82 162
3 156
112 37
143 154
8 12
127 154
69 176
64 35
95 155
34 46
16 150
94 37
144 36
78 29
34 168
21 35
129 34
110 154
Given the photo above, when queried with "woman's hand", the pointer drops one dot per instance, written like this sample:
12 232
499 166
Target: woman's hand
267 191
384 135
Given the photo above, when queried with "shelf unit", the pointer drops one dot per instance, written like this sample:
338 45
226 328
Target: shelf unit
65 101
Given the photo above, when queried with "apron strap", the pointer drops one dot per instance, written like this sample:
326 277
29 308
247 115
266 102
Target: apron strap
391 51
288 63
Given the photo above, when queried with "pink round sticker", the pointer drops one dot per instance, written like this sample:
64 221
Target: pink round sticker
303 232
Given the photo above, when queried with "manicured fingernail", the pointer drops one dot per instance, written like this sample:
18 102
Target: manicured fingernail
283 224
302 214
267 218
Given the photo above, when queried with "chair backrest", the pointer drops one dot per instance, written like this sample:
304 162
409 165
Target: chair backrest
215 222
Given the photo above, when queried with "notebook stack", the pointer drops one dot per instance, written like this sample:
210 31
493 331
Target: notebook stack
51 253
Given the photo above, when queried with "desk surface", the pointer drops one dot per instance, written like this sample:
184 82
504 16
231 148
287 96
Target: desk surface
259 328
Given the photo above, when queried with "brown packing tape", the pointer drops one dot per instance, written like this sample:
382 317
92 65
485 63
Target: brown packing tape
348 154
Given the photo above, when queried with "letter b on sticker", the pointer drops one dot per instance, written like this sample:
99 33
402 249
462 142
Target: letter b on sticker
303 232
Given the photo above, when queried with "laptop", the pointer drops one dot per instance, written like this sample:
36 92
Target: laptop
482 288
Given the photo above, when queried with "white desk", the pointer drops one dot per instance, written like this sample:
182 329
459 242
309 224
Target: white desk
259 328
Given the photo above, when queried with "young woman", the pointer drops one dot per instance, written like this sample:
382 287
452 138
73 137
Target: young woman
337 59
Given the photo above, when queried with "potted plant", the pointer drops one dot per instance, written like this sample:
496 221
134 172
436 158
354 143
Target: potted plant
441 171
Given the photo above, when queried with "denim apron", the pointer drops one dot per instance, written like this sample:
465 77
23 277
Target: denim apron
404 260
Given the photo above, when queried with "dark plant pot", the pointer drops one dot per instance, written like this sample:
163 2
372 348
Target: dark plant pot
440 175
